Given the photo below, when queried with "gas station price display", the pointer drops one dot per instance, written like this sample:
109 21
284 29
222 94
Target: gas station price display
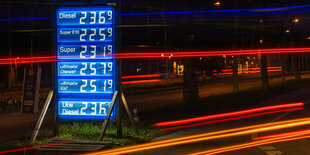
85 69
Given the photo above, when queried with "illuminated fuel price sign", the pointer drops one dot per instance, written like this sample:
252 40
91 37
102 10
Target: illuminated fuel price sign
85 68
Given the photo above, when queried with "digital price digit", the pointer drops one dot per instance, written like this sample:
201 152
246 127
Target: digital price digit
93 69
83 108
101 17
83 17
93 86
83 51
83 69
83 34
93 51
83 86
92 17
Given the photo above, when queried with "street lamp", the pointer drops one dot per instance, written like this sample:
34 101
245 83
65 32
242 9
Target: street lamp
217 3
296 20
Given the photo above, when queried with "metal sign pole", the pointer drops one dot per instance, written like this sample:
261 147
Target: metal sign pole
106 121
129 114
42 115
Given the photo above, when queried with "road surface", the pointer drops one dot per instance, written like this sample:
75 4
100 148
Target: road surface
297 147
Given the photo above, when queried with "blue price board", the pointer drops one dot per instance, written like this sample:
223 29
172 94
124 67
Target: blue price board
85 70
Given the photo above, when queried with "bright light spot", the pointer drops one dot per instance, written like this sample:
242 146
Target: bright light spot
261 41
162 55
287 31
217 3
296 20
261 20
200 58
224 56
171 55
308 38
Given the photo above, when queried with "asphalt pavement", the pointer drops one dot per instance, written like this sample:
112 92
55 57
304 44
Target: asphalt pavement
297 147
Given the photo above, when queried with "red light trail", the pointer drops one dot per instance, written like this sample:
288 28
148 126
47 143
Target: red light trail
211 53
230 119
276 138
253 144
140 76
30 148
6 61
230 114
140 81
281 135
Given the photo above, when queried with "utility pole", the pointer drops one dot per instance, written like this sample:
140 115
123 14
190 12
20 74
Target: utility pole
165 43
264 64
190 86
11 75
235 58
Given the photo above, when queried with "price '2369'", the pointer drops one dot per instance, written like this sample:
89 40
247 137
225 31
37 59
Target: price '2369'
96 17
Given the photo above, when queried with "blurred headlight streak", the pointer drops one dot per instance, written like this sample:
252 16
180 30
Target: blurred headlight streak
208 136
230 114
141 81
133 55
272 139
140 76
30 148
281 135
230 119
